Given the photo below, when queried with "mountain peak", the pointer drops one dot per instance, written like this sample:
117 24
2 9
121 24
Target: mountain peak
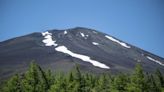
83 28
92 50
75 29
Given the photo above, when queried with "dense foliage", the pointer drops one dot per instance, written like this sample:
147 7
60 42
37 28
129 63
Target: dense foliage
37 80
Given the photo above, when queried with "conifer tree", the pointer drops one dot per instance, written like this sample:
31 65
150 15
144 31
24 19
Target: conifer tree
34 79
60 84
80 83
49 77
71 82
150 84
159 79
13 85
88 82
103 83
120 83
137 80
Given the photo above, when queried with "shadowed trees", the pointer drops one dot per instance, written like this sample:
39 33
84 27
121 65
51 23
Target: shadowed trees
38 80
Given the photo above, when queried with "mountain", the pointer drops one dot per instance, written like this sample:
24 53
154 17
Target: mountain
62 50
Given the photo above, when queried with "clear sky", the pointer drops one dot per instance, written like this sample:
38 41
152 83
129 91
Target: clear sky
138 22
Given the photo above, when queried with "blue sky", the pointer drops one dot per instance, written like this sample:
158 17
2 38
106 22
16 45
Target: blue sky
138 22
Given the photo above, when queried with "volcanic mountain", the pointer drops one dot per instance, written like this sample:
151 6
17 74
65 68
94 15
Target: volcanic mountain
62 50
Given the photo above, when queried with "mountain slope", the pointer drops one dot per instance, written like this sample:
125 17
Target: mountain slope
61 50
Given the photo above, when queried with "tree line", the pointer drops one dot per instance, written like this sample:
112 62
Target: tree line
38 80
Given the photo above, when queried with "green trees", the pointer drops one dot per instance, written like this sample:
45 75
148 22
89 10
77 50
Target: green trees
34 80
103 83
13 85
151 84
59 85
160 80
137 80
37 80
80 83
119 83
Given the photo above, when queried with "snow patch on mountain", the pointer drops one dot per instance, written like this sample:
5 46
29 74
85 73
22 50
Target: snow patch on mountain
83 35
117 41
85 58
46 33
152 59
65 32
95 43
48 41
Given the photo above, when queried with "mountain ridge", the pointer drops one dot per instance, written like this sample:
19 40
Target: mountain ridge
78 42
69 29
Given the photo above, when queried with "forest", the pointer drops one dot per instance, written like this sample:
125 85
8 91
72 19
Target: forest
35 79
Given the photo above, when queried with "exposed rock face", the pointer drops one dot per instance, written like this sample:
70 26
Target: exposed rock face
62 50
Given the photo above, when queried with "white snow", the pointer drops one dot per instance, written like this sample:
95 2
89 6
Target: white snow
82 34
117 41
65 32
48 39
95 43
85 58
152 59
46 33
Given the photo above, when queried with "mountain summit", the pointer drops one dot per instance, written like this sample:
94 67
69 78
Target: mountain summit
62 50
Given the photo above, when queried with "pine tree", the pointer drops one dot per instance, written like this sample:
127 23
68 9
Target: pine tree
151 85
71 82
34 79
13 85
59 85
80 83
137 80
119 83
89 82
159 79
103 83
49 77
